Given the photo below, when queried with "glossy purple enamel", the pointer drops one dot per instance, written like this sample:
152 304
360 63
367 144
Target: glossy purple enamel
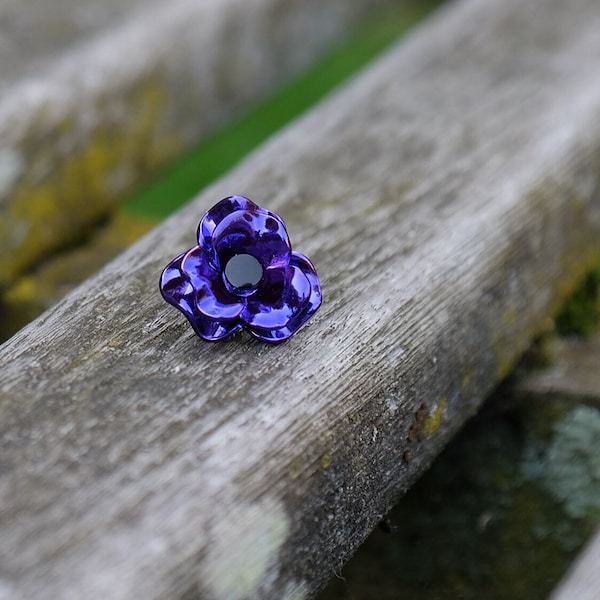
272 305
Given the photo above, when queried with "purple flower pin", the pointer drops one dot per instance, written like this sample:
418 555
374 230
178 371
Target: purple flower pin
242 273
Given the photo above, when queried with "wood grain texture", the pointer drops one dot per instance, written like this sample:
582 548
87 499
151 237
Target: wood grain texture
449 199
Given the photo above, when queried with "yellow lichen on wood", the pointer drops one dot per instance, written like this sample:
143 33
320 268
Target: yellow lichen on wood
33 293
326 461
49 211
436 415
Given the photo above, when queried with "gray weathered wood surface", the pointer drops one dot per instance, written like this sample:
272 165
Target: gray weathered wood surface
449 198
583 580
96 94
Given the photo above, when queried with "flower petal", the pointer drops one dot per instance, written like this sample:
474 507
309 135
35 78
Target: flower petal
212 299
300 316
261 234
285 302
218 212
315 296
280 297
211 330
177 290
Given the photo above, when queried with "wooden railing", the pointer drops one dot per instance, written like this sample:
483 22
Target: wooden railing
449 199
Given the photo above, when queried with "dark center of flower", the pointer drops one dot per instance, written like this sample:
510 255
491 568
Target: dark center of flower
243 271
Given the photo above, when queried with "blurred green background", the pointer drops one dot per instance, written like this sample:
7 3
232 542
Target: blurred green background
218 154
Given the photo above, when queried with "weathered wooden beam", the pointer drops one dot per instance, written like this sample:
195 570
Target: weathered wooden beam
96 94
449 198
583 580
573 374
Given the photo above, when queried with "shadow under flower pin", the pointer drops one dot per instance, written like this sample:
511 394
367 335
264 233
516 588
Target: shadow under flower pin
242 274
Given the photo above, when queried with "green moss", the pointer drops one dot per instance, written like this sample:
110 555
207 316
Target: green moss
581 313
569 467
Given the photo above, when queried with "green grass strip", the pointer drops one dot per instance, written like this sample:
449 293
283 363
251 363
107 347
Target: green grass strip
217 154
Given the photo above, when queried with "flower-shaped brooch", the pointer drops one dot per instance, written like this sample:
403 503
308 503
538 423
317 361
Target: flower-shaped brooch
242 274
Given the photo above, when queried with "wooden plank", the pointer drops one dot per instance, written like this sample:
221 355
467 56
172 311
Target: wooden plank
95 95
574 372
449 198
583 580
